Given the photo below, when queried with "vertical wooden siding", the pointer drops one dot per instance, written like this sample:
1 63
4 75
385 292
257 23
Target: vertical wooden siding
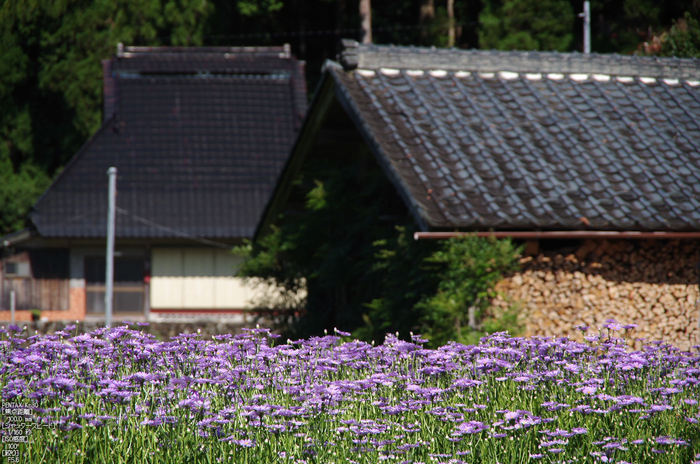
43 294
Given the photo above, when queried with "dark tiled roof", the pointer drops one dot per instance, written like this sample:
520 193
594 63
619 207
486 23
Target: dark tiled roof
522 141
198 152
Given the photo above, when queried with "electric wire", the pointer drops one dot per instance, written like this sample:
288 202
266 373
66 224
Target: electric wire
180 233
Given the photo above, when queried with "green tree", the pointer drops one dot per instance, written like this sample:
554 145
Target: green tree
459 309
526 25
326 247
683 40
440 289
624 26
51 79
407 277
368 276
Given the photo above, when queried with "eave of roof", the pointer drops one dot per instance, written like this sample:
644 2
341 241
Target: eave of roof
563 234
16 238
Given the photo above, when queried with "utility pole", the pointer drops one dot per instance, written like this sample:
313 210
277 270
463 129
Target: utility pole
13 304
109 274
586 15
366 21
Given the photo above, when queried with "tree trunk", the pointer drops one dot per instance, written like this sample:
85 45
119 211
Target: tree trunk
427 15
366 21
450 23
471 315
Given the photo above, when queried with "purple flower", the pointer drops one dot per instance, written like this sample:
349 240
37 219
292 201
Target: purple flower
152 422
660 408
612 324
547 444
244 443
670 441
471 427
466 383
613 446
554 406
590 390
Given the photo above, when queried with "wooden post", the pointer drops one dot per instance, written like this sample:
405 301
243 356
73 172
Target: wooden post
13 303
366 21
451 23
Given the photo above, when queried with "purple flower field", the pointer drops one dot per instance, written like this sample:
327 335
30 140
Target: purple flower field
120 395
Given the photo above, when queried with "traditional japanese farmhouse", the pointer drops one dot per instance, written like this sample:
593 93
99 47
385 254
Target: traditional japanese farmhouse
199 137
592 160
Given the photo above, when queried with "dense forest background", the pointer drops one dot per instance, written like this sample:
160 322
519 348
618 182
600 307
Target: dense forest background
50 52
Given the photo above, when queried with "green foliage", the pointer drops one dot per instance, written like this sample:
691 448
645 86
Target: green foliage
326 248
18 191
459 310
256 7
407 278
51 79
369 277
526 25
683 40
623 27
431 287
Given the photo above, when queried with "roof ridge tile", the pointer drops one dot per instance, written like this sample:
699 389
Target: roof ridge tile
401 57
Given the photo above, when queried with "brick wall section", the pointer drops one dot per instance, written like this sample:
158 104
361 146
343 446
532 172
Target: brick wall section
650 283
20 316
75 312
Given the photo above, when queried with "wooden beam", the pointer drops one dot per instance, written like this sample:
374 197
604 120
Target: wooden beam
562 234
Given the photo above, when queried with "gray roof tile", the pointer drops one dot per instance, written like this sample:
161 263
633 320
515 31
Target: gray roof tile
199 139
535 152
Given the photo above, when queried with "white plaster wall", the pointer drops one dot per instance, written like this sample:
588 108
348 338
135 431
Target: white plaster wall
197 278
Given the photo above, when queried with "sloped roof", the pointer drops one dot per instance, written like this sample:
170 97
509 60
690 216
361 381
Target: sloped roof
198 136
481 140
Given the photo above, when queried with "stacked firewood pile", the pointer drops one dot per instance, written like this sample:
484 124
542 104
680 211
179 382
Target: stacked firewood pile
653 284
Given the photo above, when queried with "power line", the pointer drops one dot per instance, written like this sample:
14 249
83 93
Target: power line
173 231
71 222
